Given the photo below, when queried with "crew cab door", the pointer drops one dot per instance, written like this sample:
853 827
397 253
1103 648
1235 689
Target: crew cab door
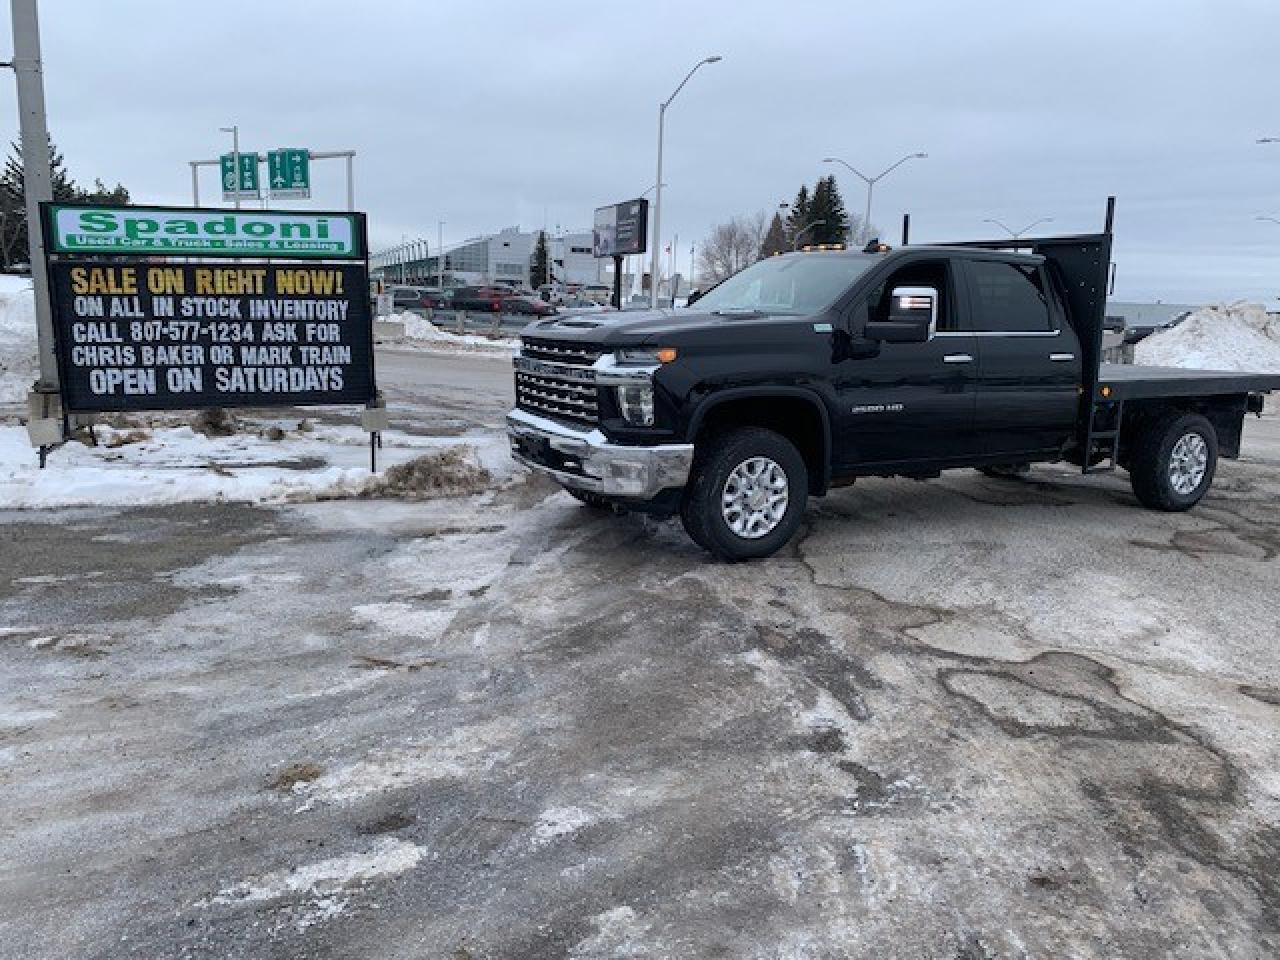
908 404
1028 358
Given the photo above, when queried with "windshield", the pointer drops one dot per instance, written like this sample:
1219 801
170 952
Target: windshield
798 285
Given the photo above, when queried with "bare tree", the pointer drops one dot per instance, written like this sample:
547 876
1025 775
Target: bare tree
731 246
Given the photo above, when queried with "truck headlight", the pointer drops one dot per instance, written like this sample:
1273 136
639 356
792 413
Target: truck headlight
644 356
636 404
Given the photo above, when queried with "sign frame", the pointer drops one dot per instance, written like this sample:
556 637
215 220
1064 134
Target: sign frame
54 243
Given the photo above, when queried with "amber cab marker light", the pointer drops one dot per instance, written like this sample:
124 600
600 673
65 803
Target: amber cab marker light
666 354
1105 391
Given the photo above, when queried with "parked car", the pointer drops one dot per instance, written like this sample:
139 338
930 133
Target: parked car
414 298
484 299
807 371
534 306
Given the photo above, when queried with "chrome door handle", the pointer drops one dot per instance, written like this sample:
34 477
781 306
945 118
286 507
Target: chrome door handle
957 358
1061 357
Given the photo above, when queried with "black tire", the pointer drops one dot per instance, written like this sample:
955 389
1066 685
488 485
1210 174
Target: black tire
1151 461
595 501
701 509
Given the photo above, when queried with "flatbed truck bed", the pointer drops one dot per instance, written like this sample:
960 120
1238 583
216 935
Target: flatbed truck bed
1133 381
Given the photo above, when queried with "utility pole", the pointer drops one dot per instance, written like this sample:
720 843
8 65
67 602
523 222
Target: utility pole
45 422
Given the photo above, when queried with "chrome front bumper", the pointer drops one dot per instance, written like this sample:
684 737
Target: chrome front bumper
586 460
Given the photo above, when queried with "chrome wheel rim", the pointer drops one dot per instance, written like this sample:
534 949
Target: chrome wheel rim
755 498
1188 463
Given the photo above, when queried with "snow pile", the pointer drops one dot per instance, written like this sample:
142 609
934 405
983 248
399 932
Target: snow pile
445 473
179 465
421 332
1238 336
18 366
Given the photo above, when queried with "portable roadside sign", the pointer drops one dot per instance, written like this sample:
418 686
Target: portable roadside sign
138 331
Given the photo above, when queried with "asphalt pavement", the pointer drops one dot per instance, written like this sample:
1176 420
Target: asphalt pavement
967 718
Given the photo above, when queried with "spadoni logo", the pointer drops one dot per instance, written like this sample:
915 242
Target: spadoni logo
188 232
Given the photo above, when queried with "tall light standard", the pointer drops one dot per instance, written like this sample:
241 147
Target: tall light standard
656 239
440 250
1272 219
235 162
1018 233
871 181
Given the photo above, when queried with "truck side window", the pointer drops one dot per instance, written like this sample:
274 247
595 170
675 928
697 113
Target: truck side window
926 274
1009 298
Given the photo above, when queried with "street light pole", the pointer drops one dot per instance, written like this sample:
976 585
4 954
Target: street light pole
795 242
440 251
1271 219
871 181
1016 234
234 130
656 239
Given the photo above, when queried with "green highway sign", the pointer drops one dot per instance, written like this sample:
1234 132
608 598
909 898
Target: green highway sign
199 232
289 172
247 188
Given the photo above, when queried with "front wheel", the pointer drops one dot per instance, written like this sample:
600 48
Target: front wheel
747 494
1173 462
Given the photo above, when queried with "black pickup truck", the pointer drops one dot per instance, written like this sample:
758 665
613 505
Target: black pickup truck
807 370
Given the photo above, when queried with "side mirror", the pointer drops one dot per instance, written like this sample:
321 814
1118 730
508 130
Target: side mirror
694 297
913 317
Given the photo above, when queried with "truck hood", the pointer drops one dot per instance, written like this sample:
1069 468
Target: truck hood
638 327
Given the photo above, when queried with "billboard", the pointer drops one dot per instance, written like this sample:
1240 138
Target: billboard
621 229
144 335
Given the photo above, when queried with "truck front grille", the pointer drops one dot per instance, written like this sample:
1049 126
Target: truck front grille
557 397
560 351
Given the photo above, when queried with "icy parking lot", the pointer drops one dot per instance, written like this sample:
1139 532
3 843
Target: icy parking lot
969 718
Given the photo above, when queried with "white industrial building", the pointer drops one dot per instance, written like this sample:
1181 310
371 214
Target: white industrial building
505 257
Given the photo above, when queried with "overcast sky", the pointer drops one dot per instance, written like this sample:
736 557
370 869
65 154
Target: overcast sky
495 114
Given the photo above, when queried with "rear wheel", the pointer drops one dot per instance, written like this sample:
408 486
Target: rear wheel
1173 462
747 494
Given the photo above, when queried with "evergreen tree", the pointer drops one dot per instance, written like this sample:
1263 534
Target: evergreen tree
539 264
799 215
13 200
117 196
775 238
828 206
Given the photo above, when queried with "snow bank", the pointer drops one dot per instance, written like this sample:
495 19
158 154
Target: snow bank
419 330
179 465
18 366
1237 336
